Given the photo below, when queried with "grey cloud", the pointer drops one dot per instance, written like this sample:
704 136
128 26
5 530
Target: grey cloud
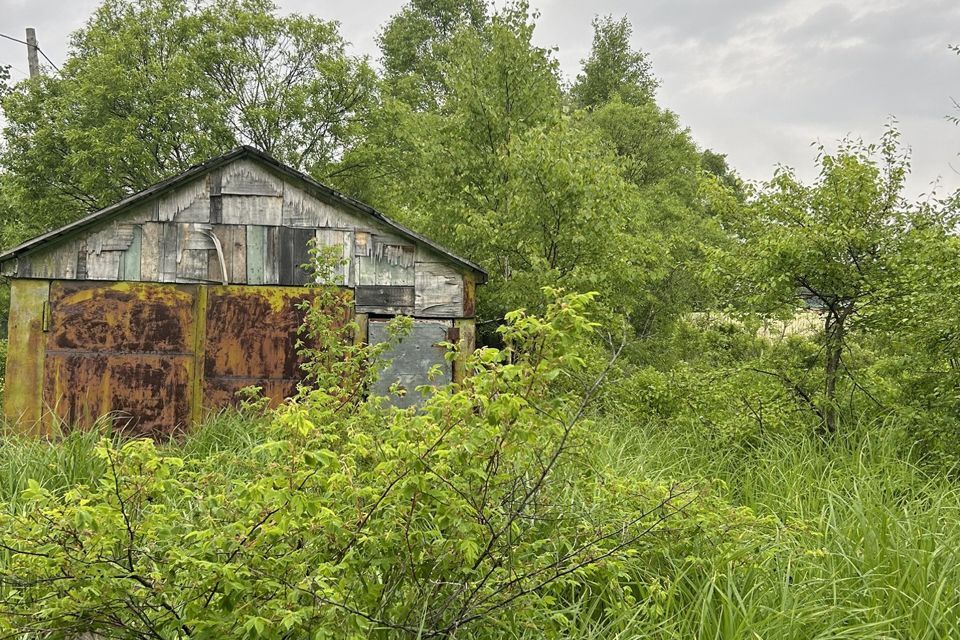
757 79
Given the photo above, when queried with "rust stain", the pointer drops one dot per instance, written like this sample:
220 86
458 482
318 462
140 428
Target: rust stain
124 317
140 394
25 353
469 296
252 335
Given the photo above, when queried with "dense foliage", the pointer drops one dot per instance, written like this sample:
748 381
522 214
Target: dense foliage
741 419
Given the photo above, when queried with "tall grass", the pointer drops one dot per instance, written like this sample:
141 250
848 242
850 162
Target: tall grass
878 540
875 539
66 460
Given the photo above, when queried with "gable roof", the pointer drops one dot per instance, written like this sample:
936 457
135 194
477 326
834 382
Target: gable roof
198 170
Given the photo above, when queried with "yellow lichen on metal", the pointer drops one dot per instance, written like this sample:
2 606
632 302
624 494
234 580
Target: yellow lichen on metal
25 355
467 330
199 350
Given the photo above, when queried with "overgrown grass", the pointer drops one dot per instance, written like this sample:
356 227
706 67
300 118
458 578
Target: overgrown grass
67 460
876 538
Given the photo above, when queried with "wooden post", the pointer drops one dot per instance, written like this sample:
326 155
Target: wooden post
32 48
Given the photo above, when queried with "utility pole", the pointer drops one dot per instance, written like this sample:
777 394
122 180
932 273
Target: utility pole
32 49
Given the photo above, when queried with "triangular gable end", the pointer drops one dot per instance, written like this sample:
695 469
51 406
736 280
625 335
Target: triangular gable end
244 218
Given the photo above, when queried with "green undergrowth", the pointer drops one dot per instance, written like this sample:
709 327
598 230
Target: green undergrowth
870 540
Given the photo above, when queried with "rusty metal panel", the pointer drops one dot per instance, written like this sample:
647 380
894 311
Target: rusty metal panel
123 317
251 338
126 349
412 358
141 394
25 353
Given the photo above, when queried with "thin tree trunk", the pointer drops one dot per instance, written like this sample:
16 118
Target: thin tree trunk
833 335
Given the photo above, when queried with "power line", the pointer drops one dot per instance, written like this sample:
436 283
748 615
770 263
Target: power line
45 57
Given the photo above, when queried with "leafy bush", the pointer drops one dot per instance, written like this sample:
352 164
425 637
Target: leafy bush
355 519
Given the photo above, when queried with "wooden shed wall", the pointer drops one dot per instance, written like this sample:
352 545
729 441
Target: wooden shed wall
243 224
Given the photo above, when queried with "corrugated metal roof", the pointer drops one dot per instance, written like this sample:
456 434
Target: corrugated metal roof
195 171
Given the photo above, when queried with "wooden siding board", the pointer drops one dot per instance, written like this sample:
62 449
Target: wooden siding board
295 252
256 252
169 247
261 210
131 257
300 209
342 239
188 203
246 177
271 256
104 265
439 290
385 299
233 243
151 265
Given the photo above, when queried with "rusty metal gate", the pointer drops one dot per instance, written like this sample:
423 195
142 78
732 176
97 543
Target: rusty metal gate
155 356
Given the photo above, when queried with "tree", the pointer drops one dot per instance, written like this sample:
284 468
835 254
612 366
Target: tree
152 87
415 47
613 68
828 245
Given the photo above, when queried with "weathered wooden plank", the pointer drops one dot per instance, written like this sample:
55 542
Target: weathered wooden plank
113 236
262 210
247 177
271 256
169 245
339 238
23 403
233 243
189 203
439 290
9 268
146 212
193 264
151 266
394 262
194 246
300 209
256 252
294 253
104 265
130 267
56 262
386 300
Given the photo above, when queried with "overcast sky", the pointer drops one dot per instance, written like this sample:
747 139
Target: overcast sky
758 80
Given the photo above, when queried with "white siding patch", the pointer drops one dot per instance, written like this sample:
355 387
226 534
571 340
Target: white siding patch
244 177
189 203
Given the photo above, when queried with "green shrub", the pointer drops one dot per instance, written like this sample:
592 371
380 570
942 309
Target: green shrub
484 513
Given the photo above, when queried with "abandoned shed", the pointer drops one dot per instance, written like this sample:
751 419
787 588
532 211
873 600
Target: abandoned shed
164 305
